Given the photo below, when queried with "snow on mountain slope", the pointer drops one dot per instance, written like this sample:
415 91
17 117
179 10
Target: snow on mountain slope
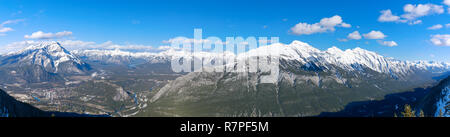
350 59
442 109
436 102
113 56
119 56
50 55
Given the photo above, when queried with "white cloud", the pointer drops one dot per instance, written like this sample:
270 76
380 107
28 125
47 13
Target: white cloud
307 29
345 25
81 45
42 35
108 45
387 16
413 12
447 25
11 22
354 35
6 29
325 25
15 46
374 35
389 43
446 2
331 22
415 22
435 27
440 40
76 44
111 45
68 44
3 29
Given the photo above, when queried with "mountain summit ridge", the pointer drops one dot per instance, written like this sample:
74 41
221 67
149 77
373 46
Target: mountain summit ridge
49 55
52 54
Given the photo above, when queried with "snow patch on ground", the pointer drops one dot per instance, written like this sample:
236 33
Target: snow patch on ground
442 103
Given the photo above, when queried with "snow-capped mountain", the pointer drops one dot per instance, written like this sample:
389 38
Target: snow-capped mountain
43 62
115 56
350 59
55 59
119 57
309 81
50 55
305 54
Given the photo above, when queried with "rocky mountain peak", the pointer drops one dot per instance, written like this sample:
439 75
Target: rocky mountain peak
50 55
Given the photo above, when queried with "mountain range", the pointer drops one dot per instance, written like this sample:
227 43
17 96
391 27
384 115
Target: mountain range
310 81
122 83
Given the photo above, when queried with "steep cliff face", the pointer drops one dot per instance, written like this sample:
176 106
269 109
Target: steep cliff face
436 103
10 107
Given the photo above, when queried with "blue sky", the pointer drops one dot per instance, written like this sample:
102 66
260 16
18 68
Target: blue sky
152 22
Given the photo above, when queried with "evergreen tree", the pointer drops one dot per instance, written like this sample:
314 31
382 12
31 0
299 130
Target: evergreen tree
422 114
408 111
